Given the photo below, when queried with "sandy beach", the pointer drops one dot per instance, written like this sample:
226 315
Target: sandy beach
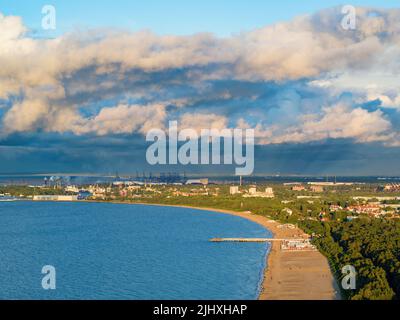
290 275
296 275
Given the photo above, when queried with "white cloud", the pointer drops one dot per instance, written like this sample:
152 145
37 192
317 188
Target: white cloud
51 80
338 121
125 119
198 121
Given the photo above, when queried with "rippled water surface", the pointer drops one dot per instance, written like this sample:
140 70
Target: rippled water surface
115 251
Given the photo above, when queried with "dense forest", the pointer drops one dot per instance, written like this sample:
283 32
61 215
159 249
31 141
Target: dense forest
371 246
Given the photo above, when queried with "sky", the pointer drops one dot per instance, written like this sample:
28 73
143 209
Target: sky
179 17
80 99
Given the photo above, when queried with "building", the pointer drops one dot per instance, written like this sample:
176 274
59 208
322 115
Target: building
317 189
298 245
331 184
252 190
234 190
298 188
253 193
288 211
203 182
335 208
193 193
55 198
377 198
123 193
393 187
368 208
269 192
373 210
72 189
134 188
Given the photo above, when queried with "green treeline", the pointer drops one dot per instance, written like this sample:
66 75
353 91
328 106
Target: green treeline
372 247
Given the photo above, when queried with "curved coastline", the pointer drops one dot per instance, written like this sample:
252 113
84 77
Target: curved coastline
287 275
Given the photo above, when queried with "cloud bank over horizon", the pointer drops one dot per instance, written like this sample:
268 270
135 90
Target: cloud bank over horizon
298 82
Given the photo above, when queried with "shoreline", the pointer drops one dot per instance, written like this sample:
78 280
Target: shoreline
303 275
287 275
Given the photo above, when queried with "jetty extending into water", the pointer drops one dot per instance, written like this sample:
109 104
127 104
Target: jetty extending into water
255 240
289 244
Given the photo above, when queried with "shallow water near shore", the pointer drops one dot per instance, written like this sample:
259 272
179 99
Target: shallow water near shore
118 251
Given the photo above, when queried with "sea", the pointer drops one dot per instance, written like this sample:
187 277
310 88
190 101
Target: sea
99 251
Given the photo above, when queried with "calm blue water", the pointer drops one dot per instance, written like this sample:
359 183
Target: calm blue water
112 251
